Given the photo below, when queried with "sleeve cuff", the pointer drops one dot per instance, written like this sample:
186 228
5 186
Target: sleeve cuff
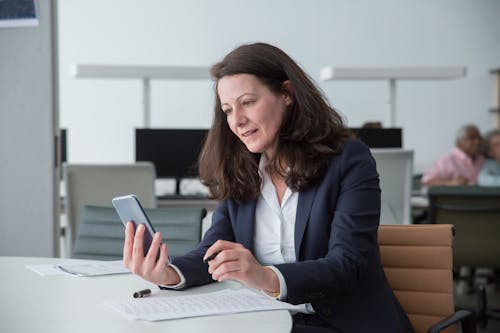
179 285
283 290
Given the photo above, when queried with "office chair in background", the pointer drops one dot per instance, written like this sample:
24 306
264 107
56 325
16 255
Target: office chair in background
97 184
475 213
101 233
417 261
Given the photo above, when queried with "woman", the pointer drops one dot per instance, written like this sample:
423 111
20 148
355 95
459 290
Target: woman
299 202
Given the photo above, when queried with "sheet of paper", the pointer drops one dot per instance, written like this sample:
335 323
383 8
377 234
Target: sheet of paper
81 268
165 307
94 268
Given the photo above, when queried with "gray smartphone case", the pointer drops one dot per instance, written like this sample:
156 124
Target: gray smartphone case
129 208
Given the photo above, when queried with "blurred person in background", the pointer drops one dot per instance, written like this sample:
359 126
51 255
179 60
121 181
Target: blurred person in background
462 165
490 172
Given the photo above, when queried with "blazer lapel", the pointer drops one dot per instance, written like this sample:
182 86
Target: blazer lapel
304 205
245 224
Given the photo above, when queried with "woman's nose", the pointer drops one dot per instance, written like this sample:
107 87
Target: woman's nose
239 116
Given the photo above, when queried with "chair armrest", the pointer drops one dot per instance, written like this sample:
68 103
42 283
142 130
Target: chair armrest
466 317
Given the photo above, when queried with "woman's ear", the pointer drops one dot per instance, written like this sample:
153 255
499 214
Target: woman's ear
288 92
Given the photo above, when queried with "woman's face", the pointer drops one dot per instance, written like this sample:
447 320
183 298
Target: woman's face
254 113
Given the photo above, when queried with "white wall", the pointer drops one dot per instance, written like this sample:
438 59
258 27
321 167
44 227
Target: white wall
101 114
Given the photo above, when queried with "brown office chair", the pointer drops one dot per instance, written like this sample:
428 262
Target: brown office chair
417 261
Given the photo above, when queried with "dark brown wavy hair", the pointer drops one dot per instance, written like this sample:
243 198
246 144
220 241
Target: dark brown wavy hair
311 132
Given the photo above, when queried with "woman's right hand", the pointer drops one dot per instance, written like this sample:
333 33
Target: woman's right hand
147 267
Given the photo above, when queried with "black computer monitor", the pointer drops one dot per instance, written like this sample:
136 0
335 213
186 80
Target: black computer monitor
380 137
63 149
174 152
63 146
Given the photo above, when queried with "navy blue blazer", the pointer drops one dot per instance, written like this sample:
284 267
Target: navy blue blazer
338 268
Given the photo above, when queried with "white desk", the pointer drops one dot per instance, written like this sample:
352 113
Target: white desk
33 303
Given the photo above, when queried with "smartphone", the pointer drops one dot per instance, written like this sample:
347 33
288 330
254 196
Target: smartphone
129 208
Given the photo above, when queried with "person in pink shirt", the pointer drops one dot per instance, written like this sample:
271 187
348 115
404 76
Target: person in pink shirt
462 165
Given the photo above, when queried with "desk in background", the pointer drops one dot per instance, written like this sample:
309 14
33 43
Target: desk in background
53 304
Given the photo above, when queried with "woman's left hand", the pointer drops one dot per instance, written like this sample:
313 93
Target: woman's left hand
235 262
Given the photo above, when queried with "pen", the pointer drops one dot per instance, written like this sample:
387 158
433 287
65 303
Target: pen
65 270
142 293
211 257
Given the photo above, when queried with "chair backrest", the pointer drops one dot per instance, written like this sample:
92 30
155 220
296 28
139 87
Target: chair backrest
475 213
97 184
101 233
395 168
417 261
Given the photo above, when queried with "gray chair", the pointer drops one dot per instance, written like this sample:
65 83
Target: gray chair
97 184
475 213
101 233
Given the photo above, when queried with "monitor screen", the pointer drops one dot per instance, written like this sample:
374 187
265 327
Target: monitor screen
174 152
63 149
380 137
63 146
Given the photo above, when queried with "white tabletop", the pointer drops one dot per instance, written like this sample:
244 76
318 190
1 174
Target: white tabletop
33 303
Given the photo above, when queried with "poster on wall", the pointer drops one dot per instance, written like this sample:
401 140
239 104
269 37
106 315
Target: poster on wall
18 13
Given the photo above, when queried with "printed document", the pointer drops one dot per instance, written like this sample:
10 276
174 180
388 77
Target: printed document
158 307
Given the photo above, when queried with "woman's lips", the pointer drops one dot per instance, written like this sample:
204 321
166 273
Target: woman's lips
248 133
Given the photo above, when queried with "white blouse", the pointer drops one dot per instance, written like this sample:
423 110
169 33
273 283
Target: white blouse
274 236
274 241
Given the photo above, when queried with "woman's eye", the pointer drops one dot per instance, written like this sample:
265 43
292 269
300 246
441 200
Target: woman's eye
248 102
226 111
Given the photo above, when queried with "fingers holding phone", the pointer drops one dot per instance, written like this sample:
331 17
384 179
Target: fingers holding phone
143 252
133 249
148 267
138 248
152 258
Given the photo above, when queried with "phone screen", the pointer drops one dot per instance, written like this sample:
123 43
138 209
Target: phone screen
129 208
